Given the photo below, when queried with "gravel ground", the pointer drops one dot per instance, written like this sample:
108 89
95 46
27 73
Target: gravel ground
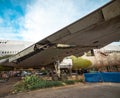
90 90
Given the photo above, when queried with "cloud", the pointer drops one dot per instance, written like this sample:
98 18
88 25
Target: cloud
8 33
1 20
9 29
41 18
44 19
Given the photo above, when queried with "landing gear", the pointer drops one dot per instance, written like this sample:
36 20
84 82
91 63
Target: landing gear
57 74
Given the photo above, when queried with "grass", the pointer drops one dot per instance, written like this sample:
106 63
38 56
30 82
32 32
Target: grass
33 82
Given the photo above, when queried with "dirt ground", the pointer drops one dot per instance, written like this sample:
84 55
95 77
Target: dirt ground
91 90
5 87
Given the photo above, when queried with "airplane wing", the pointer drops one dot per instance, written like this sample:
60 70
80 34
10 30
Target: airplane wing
95 30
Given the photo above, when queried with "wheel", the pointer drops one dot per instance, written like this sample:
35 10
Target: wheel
55 77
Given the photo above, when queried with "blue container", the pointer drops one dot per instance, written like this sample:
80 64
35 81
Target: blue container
102 77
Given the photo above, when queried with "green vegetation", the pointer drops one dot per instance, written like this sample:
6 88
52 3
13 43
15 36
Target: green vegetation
69 82
34 82
79 62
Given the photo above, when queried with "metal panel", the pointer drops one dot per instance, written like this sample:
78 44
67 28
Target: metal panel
50 55
22 53
112 10
87 21
91 35
59 35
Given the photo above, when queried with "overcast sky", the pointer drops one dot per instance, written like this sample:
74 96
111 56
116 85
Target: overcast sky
33 20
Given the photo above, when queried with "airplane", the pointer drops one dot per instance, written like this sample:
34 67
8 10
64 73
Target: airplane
95 30
104 58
